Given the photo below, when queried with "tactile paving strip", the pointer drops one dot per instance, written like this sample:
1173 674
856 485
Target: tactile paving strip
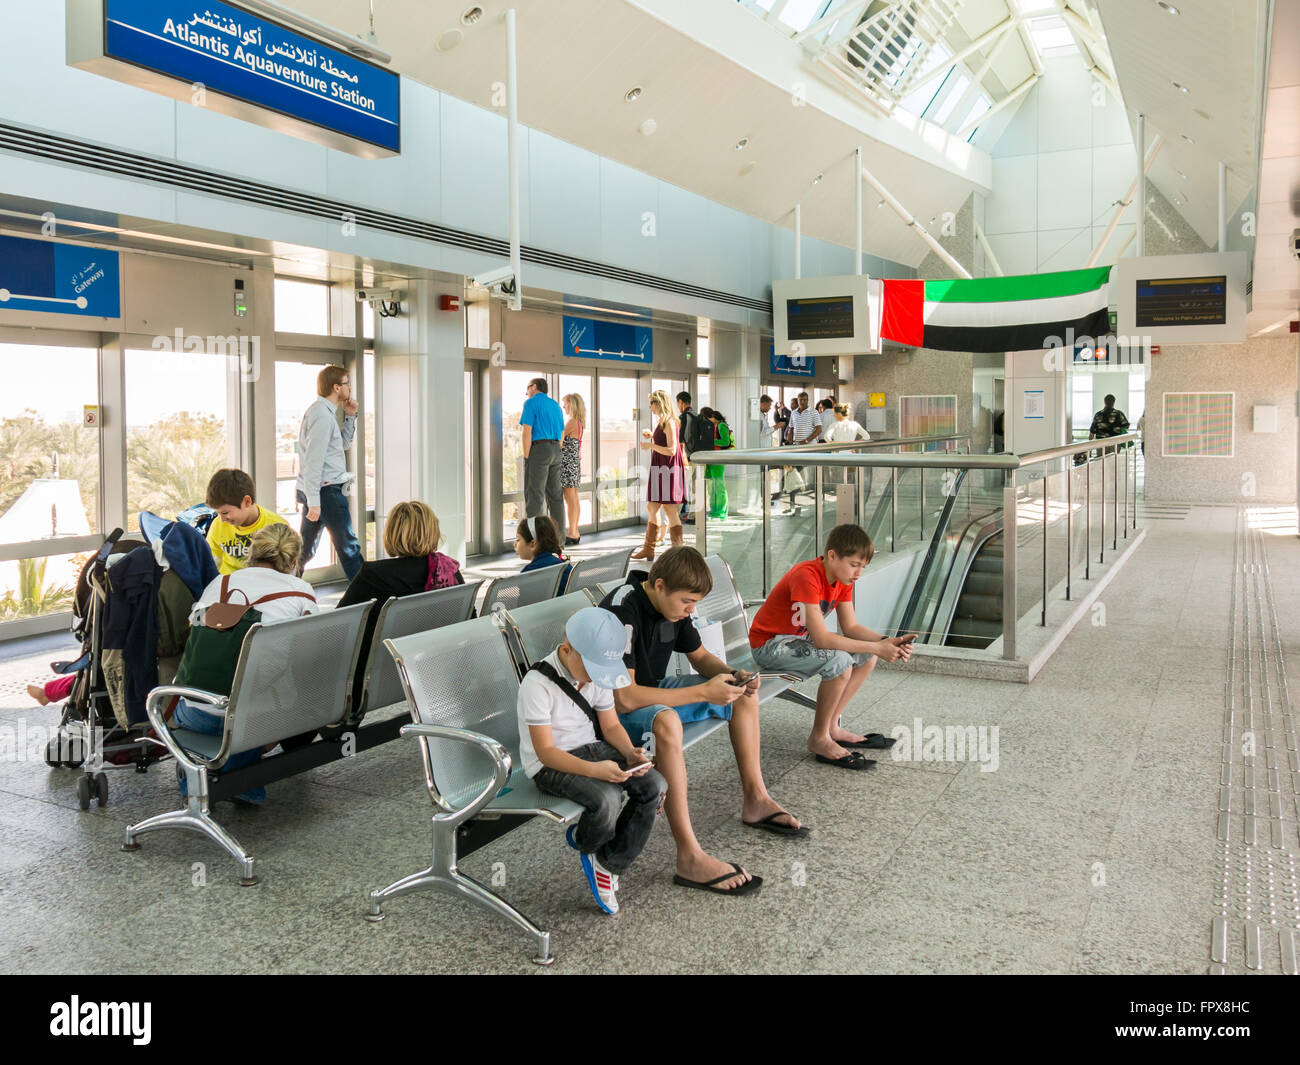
1256 923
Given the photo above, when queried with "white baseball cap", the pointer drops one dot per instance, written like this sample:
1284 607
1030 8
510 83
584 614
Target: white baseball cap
600 640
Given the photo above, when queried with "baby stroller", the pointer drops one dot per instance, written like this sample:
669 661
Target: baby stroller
146 588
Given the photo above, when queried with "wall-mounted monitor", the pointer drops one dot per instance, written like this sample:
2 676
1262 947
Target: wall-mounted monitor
826 316
1182 299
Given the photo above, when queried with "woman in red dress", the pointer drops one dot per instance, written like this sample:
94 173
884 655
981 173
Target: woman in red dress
666 490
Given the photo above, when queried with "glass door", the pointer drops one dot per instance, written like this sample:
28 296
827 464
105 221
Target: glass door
618 480
514 391
583 385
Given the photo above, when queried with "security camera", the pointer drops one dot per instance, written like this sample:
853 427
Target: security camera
1295 243
378 295
500 281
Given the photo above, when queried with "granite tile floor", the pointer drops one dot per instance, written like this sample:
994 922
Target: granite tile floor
1090 847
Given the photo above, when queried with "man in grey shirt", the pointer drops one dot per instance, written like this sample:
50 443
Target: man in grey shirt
323 476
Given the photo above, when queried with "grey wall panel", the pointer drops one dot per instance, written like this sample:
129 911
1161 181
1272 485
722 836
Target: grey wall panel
409 184
211 141
472 166
563 183
627 197
683 218
39 89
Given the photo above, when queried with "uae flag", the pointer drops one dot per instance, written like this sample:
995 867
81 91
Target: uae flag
997 313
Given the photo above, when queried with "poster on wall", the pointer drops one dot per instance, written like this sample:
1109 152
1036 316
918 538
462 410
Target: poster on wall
789 365
587 338
1036 404
1198 425
927 416
38 275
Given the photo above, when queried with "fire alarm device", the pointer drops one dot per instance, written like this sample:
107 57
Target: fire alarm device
449 303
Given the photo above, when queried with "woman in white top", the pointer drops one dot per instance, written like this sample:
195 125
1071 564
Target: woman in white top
272 561
845 430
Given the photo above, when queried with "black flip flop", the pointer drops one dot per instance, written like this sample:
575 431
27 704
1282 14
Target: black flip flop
748 887
873 741
849 761
769 824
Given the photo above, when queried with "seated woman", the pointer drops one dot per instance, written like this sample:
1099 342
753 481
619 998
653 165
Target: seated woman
412 537
272 561
537 542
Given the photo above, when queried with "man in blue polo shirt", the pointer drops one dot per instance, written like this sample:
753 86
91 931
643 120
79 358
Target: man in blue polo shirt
543 425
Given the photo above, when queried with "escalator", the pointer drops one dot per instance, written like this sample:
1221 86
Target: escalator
977 618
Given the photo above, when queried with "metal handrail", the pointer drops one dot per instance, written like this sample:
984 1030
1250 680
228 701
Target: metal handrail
1066 450
944 460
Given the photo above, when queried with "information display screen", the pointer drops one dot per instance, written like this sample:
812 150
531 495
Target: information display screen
1174 301
819 318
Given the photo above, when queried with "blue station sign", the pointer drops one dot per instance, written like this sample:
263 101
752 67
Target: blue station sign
789 365
222 57
36 275
586 338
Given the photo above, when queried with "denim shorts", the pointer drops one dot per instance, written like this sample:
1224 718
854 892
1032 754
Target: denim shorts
794 654
640 723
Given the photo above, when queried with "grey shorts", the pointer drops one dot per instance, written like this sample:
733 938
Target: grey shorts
783 654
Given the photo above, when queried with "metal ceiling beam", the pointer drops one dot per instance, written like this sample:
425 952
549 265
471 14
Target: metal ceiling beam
828 20
976 45
977 81
910 220
1006 101
1122 206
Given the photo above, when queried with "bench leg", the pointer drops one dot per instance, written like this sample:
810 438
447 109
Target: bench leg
195 817
443 876
798 698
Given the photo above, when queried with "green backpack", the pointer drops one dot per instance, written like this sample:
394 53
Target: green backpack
212 651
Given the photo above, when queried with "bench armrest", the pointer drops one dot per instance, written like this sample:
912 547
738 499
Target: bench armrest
153 704
501 768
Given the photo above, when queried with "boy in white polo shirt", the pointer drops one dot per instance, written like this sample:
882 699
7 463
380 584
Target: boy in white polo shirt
572 745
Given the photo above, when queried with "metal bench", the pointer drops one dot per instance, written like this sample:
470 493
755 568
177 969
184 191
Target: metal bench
380 685
593 572
537 630
292 677
522 589
463 689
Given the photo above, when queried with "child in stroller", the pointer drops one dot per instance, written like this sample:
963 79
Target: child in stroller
132 615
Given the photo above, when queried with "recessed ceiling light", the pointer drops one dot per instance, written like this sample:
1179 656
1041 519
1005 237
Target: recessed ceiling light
1204 114
1182 175
648 127
880 205
471 15
742 144
747 169
1187 138
1180 88
449 40
632 95
1166 7
818 179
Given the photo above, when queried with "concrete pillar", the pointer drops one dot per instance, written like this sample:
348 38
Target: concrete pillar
419 410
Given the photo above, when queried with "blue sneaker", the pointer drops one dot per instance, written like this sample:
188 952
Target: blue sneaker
568 837
601 882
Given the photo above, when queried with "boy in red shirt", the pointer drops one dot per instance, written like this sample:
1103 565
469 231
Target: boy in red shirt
789 635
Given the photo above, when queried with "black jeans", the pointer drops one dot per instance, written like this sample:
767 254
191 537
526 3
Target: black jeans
615 836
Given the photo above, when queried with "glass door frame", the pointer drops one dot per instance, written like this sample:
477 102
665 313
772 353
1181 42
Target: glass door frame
323 351
490 460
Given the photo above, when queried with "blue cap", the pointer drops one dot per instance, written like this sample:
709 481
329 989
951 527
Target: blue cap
600 640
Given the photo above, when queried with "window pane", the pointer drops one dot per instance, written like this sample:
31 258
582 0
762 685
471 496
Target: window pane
302 307
619 454
368 456
175 429
952 99
581 384
49 461
34 587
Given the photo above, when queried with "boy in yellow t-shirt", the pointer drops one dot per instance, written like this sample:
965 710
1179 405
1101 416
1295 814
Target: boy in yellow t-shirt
232 495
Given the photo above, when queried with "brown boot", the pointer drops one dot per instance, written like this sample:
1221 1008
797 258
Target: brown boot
647 551
676 534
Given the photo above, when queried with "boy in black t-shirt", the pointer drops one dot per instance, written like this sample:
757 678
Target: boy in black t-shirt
656 611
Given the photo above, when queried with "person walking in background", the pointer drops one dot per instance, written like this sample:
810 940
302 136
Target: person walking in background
805 428
666 490
543 425
723 441
323 477
690 431
826 416
1108 422
575 407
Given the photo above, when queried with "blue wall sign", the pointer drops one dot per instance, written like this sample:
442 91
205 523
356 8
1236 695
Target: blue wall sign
585 338
249 58
36 275
789 365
